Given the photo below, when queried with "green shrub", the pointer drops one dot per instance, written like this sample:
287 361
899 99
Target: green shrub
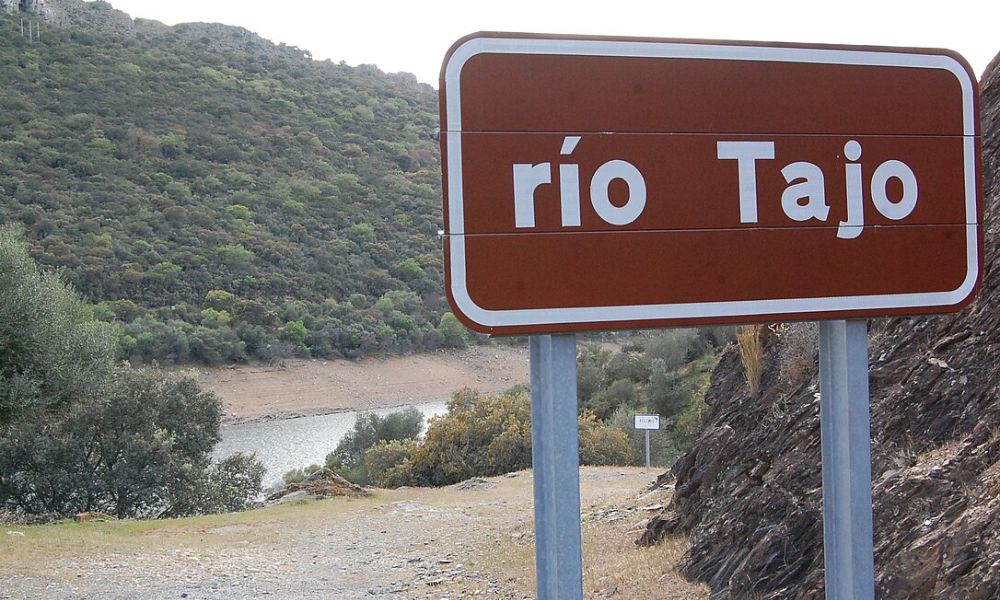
590 363
348 459
631 365
620 392
662 447
388 463
230 485
603 445
690 423
454 333
299 475
483 436
480 436
669 392
674 347
234 483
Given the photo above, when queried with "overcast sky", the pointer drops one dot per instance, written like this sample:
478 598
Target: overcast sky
413 36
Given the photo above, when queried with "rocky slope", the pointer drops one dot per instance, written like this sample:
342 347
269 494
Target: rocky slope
749 492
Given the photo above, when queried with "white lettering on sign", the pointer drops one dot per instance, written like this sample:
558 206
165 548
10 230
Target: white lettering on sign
805 196
528 177
746 155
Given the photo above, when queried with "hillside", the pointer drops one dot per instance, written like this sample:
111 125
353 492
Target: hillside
748 493
220 196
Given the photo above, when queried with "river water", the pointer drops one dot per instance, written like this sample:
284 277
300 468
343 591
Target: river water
286 444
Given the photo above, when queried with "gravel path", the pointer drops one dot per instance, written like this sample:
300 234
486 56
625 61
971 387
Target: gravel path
399 544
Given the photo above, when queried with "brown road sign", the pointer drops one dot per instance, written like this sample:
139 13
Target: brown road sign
596 183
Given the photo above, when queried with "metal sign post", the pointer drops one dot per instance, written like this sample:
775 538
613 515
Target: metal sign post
647 448
647 422
845 425
555 458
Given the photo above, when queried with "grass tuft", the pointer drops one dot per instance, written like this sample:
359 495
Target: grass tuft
748 341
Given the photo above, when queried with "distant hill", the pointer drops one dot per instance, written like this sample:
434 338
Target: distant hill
220 196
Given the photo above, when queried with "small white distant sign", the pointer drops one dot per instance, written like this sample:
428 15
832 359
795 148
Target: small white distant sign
647 421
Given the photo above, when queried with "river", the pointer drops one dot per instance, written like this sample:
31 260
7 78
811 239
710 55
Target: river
286 444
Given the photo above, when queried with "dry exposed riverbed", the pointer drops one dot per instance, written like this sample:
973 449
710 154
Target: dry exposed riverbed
313 387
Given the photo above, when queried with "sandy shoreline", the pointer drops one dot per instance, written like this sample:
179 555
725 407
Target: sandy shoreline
315 387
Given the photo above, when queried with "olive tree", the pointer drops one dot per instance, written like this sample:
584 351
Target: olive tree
78 430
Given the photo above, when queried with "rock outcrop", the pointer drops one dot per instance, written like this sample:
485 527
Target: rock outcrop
101 16
324 483
748 494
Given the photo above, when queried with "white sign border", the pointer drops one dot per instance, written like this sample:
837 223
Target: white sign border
693 310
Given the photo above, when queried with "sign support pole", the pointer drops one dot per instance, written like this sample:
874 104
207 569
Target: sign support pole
555 459
845 425
647 448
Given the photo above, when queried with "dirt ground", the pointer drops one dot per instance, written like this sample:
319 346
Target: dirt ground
311 387
473 540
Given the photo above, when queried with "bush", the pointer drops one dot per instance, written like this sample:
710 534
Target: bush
369 429
299 475
662 448
454 334
230 485
690 423
632 365
674 347
480 436
621 392
483 436
388 463
590 363
234 483
603 445
669 393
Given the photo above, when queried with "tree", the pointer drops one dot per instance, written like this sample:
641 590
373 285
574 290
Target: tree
52 351
79 431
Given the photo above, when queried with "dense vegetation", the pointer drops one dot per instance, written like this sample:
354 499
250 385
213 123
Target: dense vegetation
664 373
222 198
348 459
480 436
80 431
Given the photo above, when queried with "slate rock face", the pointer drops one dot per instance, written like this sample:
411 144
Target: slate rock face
748 493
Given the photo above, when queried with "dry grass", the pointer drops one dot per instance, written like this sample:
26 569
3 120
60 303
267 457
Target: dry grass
488 532
616 567
67 540
748 342
798 352
613 566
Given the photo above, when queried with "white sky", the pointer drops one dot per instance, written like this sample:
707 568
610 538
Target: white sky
413 36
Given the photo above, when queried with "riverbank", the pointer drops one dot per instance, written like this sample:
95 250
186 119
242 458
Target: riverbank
299 387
